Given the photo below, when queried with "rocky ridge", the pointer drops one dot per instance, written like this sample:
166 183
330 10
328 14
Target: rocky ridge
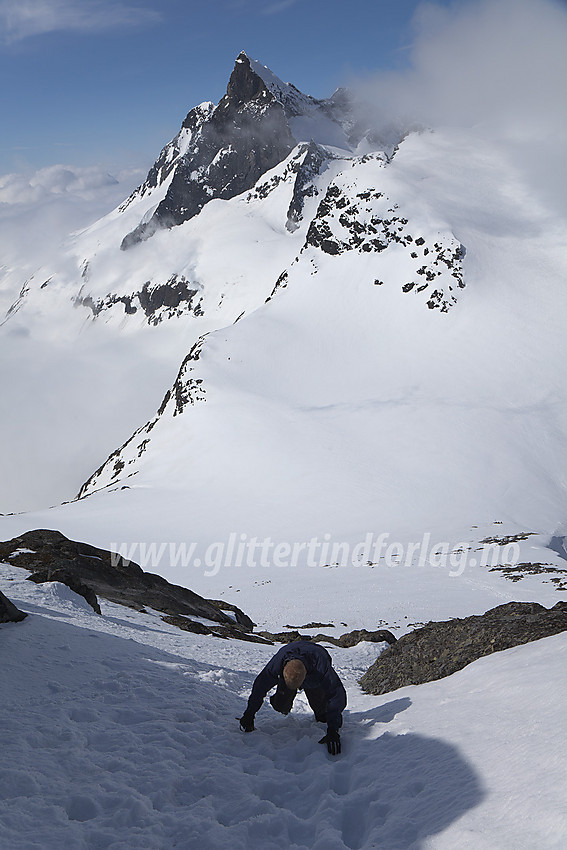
92 572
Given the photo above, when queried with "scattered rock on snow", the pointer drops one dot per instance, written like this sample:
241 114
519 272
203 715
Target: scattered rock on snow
439 649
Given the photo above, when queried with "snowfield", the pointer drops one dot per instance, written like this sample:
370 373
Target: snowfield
120 732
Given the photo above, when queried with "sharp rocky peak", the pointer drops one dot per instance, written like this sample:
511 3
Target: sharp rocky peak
244 84
252 81
222 151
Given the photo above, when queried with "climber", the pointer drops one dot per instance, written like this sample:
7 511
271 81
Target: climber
307 666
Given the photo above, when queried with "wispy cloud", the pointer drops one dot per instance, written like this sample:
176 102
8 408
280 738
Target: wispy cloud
38 210
498 62
261 7
20 19
278 6
56 181
497 67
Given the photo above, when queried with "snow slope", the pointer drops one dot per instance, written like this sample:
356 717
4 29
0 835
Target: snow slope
120 732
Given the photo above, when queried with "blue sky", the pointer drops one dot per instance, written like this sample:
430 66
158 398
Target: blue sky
107 83
99 81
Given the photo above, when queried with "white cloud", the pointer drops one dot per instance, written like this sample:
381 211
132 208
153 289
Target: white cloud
497 67
38 210
56 180
20 19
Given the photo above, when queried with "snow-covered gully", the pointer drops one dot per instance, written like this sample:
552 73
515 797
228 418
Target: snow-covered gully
119 732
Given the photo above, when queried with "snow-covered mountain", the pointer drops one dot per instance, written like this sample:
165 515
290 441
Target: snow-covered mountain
222 151
290 329
315 371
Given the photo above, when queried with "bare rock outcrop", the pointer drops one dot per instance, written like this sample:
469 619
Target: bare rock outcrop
440 649
8 611
347 640
50 556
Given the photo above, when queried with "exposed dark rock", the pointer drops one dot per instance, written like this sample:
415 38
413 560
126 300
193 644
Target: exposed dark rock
319 235
347 640
233 631
108 575
230 149
187 625
358 635
71 581
171 294
284 637
88 571
188 390
313 626
303 187
175 297
516 572
440 649
113 459
281 283
8 611
241 618
169 156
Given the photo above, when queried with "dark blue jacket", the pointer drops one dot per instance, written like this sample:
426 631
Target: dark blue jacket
320 674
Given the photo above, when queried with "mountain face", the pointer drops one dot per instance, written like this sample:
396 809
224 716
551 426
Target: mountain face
361 224
291 328
222 151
